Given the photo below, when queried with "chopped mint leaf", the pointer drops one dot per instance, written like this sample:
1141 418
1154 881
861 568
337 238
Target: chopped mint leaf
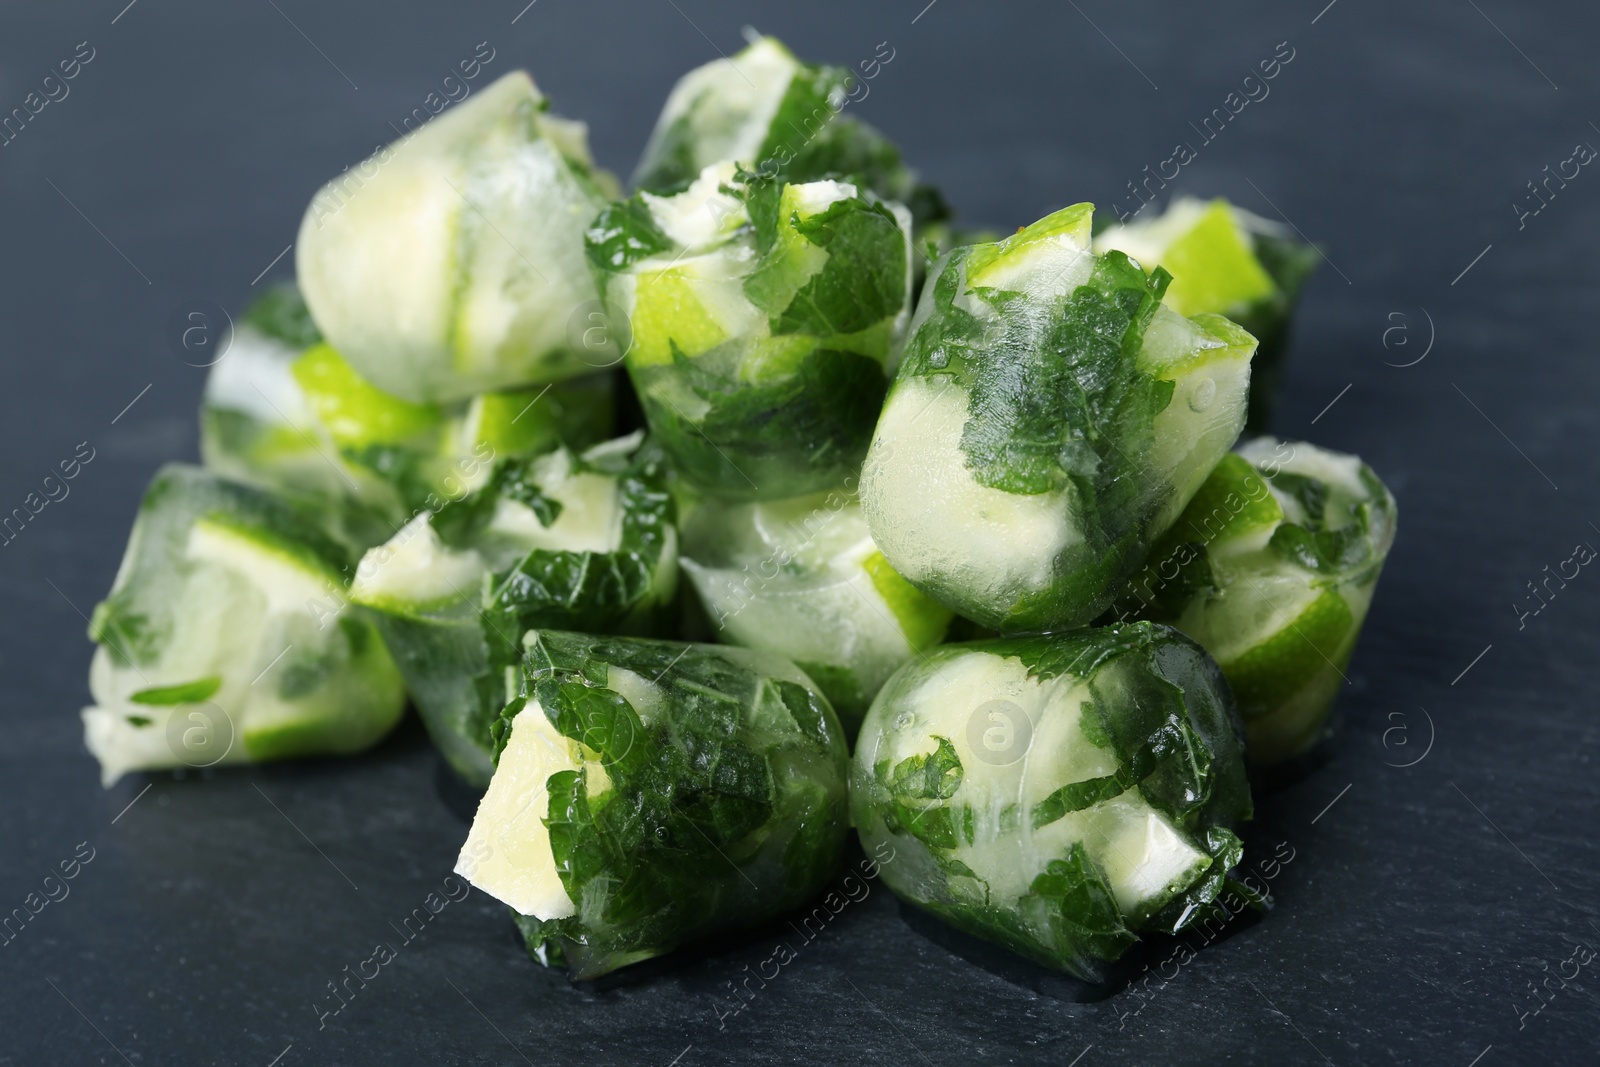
622 234
709 807
934 776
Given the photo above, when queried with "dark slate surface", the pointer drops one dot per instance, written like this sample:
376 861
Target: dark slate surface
1421 902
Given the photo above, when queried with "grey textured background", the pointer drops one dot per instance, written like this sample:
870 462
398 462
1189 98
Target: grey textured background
1418 908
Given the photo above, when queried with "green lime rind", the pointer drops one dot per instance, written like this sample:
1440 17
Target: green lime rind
987 264
245 545
355 411
1273 669
922 619
1233 502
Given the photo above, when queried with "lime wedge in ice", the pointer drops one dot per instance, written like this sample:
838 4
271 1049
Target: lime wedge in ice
355 411
1272 640
515 423
1234 504
922 619
284 571
1052 252
1213 266
667 310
